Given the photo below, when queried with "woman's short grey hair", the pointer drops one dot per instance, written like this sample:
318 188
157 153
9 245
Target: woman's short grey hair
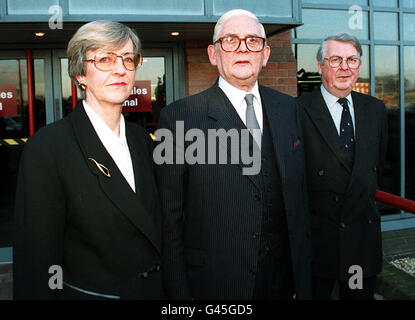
341 37
100 34
232 13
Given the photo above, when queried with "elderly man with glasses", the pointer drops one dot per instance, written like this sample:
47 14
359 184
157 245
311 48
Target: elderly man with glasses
345 138
228 235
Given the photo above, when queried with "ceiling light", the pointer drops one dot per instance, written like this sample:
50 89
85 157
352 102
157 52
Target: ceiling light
175 33
39 34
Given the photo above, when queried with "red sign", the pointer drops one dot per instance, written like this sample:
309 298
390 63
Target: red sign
140 98
8 101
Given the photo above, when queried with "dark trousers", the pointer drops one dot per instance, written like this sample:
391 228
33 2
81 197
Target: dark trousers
322 289
273 279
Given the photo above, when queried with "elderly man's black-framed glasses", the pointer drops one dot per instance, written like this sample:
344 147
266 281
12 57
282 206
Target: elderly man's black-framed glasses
335 61
105 61
232 43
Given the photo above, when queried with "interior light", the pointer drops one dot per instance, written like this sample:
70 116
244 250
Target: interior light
175 33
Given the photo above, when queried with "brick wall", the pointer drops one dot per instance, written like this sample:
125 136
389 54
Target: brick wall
280 72
200 74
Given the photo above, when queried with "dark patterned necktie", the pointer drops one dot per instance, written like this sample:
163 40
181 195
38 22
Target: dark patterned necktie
347 141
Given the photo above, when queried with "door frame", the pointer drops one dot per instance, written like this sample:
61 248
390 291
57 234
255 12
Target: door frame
37 54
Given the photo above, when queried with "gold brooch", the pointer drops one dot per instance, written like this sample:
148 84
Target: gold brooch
104 170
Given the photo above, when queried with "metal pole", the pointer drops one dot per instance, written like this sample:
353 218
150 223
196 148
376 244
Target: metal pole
30 91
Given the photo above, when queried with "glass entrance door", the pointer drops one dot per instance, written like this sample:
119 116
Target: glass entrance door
14 125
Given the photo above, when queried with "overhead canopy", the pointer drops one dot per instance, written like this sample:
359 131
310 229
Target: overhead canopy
153 20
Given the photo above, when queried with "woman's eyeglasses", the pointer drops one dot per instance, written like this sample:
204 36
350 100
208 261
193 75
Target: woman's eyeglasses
105 61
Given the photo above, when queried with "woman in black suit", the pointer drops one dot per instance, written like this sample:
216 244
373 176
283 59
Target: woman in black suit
86 200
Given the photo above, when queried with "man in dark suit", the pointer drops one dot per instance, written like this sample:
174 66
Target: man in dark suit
230 235
345 137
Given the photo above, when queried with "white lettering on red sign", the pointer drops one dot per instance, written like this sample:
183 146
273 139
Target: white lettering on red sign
8 101
139 90
6 95
140 97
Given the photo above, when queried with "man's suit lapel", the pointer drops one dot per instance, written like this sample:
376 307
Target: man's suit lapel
320 115
116 187
274 112
222 112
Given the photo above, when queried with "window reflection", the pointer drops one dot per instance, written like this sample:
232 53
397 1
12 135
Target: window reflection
408 3
13 72
384 3
409 76
308 77
30 7
409 27
66 84
14 124
11 123
335 21
387 90
386 26
387 76
351 2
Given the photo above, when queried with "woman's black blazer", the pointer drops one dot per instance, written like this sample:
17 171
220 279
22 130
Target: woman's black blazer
105 237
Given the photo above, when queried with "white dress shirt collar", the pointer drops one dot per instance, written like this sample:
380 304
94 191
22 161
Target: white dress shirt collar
336 109
237 98
117 147
331 99
104 132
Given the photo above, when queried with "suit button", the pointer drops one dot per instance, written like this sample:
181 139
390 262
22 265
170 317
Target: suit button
145 274
257 197
321 173
369 221
342 225
336 198
375 169
252 272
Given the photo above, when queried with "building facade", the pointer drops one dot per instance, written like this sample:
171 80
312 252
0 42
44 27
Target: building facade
175 35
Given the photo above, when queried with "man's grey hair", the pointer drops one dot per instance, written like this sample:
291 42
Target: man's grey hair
341 37
232 13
